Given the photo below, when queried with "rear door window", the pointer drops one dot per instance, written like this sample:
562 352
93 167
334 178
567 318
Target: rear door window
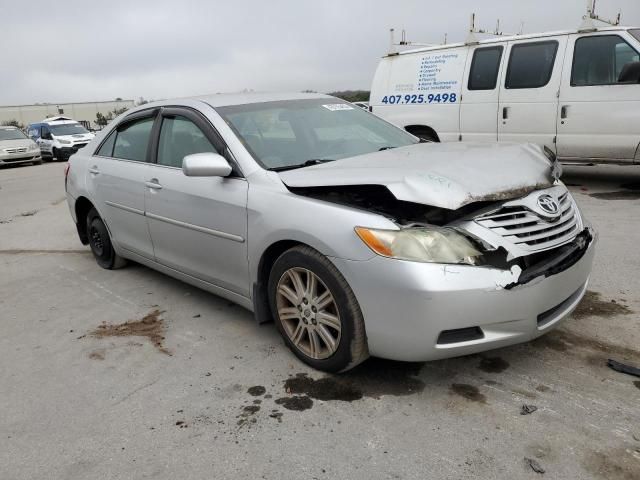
601 60
531 64
484 68
106 150
132 140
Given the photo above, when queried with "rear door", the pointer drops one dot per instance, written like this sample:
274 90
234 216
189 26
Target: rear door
598 115
529 91
116 176
198 224
480 94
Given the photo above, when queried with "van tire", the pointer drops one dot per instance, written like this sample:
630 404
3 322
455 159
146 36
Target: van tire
54 154
424 133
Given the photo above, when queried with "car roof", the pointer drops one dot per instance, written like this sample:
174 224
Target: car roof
228 99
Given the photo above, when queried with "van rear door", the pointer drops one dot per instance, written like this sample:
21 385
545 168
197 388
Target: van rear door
529 90
598 115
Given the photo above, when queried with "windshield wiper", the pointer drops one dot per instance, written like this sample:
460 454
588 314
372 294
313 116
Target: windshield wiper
385 148
306 163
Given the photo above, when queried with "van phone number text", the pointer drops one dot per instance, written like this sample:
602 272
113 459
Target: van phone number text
431 98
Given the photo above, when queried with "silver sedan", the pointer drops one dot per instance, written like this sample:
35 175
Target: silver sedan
355 237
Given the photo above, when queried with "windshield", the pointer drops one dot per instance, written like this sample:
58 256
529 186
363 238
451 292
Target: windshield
11 134
67 129
636 33
289 133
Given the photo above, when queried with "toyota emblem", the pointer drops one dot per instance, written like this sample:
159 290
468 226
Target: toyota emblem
548 204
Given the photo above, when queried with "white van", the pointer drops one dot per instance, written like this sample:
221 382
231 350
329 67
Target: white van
576 92
59 137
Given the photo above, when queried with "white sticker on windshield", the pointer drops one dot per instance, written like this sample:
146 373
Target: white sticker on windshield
338 106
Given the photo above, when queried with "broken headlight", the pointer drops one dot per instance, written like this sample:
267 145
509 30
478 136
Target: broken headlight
431 245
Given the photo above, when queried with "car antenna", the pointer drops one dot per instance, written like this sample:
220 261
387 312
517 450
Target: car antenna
588 24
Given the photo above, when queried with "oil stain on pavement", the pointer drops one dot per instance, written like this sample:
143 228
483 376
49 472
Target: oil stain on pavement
493 365
468 391
373 379
593 304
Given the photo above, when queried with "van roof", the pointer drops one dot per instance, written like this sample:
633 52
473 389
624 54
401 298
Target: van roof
510 38
57 120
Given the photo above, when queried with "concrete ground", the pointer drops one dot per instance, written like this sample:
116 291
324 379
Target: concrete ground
207 393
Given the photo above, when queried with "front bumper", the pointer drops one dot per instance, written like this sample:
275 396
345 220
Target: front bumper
67 151
14 159
408 305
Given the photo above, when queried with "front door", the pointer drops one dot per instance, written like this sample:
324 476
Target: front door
45 140
198 224
598 115
529 91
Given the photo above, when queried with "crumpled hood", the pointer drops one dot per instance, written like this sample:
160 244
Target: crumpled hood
445 175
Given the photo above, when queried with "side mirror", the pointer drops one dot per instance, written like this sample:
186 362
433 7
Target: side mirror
205 165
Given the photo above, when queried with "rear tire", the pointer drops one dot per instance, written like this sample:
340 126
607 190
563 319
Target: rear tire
316 311
100 243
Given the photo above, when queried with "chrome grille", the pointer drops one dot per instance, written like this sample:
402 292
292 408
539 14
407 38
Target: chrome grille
16 150
527 230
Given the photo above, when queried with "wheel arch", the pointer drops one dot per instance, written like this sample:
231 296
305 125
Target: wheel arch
82 207
261 308
423 131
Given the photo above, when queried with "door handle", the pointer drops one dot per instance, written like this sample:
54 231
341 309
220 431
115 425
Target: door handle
94 170
505 113
153 184
563 111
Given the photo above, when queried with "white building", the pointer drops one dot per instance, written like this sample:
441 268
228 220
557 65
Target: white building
82 111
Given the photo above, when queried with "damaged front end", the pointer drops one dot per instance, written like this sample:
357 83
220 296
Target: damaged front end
515 235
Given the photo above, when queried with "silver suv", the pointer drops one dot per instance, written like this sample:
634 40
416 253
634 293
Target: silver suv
355 237
16 147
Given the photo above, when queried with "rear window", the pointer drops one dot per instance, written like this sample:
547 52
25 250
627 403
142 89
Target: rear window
636 33
132 140
531 64
484 68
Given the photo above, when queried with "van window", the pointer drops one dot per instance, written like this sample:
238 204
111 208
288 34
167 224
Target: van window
636 33
484 68
180 137
531 64
132 140
599 60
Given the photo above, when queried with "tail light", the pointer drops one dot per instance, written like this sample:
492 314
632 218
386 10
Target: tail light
66 174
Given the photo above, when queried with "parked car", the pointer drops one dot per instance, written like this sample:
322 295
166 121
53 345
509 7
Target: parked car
352 235
575 92
16 147
59 137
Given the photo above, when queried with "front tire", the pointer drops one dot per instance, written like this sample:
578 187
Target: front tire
316 311
100 243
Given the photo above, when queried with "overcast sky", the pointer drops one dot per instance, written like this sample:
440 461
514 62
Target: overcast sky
82 51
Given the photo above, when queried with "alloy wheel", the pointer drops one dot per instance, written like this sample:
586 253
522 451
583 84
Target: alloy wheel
308 313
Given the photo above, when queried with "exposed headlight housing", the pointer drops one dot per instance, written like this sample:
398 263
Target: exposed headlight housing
429 245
